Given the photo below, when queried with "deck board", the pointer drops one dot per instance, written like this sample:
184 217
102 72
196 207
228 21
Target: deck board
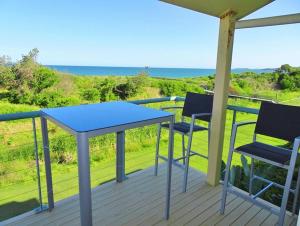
260 217
247 216
140 201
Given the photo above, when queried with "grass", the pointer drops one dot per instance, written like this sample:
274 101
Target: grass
18 180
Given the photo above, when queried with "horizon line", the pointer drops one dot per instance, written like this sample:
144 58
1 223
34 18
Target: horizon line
164 67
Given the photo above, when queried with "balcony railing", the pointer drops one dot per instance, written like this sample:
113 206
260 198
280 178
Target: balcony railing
22 174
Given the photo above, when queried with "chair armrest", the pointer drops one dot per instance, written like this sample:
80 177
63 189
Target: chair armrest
171 107
194 117
296 143
200 114
234 131
243 123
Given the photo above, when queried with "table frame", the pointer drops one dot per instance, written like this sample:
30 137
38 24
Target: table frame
84 161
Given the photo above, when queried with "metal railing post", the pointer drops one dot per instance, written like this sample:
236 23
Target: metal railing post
233 119
47 163
36 153
120 159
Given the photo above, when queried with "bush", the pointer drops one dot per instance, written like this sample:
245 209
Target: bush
60 146
126 90
287 83
141 79
106 90
91 94
6 76
51 98
242 83
290 82
21 96
43 78
288 77
175 88
297 81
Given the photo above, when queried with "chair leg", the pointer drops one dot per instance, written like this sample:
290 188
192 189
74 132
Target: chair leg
157 149
226 179
183 149
187 163
251 176
296 194
287 189
208 134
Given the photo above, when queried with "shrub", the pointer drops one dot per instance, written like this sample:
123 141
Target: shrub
297 81
287 83
91 94
106 90
288 77
141 79
126 90
6 76
60 146
51 98
242 83
43 78
171 88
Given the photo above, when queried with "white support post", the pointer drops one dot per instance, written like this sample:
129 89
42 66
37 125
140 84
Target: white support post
225 45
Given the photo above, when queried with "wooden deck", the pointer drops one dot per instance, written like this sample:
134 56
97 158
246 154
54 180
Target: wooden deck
140 201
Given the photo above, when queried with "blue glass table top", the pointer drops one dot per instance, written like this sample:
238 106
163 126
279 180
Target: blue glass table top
89 117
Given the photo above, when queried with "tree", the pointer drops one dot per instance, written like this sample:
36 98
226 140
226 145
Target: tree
284 69
29 79
30 57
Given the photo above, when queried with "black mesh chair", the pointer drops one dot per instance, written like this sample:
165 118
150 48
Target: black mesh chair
277 121
196 107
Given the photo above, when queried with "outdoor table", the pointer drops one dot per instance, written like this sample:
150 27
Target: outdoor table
92 120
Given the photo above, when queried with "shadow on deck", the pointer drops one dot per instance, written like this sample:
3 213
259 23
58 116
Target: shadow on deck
140 201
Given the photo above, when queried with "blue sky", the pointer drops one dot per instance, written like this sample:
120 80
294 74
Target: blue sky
139 33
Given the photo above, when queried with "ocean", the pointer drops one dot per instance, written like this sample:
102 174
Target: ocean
154 72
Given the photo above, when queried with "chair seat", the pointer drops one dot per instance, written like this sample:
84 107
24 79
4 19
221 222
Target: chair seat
184 127
268 152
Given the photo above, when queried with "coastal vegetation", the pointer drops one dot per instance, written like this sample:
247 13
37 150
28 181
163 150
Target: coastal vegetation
27 82
28 86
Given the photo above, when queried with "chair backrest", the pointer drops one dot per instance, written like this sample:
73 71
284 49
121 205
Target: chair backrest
196 103
279 121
